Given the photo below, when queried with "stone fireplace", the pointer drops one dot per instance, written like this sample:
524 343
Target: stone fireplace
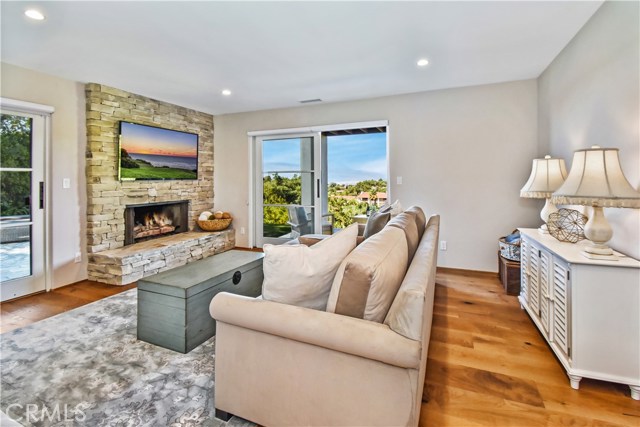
118 256
152 220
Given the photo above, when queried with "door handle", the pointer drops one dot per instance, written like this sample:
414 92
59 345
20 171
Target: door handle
41 195
318 187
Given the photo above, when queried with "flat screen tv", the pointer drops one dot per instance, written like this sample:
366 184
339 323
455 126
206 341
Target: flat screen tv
152 153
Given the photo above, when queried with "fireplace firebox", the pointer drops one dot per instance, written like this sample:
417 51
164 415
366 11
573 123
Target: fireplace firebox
150 220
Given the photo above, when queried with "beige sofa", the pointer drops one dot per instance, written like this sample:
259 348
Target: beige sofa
283 365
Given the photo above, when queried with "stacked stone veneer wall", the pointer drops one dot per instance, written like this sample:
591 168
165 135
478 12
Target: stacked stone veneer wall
126 265
106 195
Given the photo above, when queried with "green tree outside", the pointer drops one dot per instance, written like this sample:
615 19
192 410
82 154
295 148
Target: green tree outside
281 190
15 152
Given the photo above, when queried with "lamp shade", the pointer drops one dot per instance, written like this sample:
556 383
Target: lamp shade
547 175
596 179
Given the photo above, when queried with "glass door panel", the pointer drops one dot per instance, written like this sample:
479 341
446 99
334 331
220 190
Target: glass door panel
286 189
21 210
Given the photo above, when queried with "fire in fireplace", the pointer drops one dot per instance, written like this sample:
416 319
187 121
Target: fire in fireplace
153 224
150 220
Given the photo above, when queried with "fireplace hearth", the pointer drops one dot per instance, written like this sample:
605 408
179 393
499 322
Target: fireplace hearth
150 220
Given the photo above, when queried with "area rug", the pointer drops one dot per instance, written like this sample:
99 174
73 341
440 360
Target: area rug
85 367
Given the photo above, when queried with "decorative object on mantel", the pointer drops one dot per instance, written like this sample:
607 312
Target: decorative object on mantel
510 246
204 216
217 221
596 179
547 175
567 225
215 224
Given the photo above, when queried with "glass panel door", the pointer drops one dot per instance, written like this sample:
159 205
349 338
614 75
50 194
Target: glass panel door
287 188
21 204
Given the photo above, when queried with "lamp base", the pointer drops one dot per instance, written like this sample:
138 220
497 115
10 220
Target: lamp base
599 252
543 229
599 232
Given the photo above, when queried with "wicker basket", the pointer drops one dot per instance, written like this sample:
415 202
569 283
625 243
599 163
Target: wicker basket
509 251
215 224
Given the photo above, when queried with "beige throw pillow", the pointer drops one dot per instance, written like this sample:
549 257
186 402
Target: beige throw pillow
368 279
301 275
406 222
421 219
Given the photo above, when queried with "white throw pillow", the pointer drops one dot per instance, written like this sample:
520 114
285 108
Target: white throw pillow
301 275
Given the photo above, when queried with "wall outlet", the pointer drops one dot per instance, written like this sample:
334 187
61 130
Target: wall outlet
78 257
399 180
242 231
66 183
443 245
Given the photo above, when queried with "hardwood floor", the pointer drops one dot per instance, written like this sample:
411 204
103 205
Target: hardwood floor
488 365
25 311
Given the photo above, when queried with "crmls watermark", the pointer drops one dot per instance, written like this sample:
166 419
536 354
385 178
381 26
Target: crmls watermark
32 412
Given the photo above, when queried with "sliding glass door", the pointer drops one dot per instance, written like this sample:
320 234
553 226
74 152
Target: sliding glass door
22 145
287 187
317 182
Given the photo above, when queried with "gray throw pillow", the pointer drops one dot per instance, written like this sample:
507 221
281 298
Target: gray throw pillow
375 223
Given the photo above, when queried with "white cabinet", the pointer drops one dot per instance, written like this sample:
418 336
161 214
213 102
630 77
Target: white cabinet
587 310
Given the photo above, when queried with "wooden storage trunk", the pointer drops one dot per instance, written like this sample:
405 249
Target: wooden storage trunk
173 306
509 275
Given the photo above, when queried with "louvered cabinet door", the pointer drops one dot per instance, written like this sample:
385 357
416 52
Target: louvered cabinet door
534 280
586 309
545 290
524 272
561 304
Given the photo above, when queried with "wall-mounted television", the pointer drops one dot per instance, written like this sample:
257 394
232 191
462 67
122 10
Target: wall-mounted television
153 153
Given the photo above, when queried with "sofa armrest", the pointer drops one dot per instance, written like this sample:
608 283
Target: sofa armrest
345 334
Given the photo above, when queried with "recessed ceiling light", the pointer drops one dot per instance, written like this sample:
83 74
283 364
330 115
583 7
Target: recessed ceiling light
34 14
423 62
226 92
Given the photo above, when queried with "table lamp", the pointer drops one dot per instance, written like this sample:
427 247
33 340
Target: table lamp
547 175
596 180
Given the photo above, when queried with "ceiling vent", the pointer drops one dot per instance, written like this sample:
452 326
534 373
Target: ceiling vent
309 101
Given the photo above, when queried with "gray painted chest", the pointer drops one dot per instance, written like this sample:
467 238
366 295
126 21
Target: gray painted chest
173 306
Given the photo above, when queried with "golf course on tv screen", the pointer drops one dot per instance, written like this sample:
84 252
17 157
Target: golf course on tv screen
148 152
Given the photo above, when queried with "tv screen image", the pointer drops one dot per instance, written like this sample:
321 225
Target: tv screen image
148 152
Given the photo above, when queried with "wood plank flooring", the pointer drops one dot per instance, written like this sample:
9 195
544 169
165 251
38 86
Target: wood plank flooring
25 311
488 365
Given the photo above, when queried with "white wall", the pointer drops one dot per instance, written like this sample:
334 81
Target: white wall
590 95
463 153
68 145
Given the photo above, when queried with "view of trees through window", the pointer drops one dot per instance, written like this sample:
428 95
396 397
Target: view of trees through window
357 176
15 152
348 200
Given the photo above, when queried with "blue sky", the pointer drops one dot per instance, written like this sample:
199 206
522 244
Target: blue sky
163 142
351 158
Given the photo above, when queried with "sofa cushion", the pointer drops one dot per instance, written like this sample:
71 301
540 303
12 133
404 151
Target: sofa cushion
406 315
406 221
369 277
302 275
375 223
420 217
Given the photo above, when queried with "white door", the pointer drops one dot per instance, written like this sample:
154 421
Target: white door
22 173
287 187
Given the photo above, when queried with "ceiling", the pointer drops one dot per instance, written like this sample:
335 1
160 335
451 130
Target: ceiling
276 54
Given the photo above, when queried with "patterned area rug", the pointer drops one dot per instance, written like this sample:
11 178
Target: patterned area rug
85 367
